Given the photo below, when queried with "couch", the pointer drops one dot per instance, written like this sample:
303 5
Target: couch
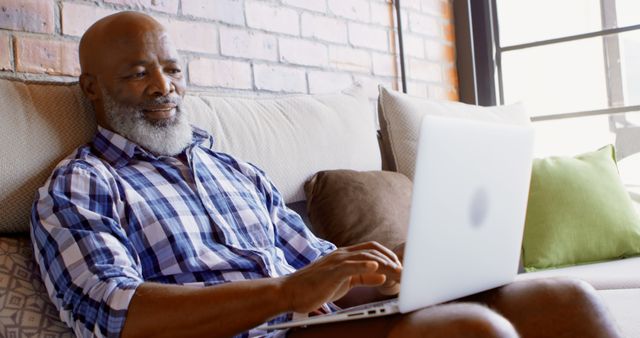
290 137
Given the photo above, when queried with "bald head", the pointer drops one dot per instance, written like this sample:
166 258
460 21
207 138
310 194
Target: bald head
132 74
117 30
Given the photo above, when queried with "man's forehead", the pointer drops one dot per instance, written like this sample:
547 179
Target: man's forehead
135 50
145 60
139 36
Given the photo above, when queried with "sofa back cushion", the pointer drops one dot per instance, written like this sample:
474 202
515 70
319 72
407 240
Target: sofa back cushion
290 137
401 116
41 124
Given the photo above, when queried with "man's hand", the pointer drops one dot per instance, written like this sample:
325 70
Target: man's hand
331 277
392 286
399 251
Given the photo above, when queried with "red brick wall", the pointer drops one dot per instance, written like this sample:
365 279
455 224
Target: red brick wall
298 46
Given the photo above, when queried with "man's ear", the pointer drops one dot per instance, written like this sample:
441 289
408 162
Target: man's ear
89 86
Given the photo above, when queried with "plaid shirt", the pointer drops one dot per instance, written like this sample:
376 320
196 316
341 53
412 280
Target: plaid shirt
113 215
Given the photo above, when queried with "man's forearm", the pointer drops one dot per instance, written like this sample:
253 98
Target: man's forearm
217 311
224 310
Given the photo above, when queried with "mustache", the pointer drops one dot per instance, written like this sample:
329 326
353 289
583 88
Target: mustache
161 101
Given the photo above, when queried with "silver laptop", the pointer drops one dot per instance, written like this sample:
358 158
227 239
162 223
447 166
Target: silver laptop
468 209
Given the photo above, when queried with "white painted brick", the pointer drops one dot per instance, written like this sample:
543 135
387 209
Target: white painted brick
312 5
373 106
346 58
303 52
424 24
324 28
350 9
424 70
275 19
229 11
361 35
413 45
382 14
432 6
192 36
437 92
413 4
279 79
384 64
435 50
417 89
77 18
328 82
220 73
370 85
405 20
247 44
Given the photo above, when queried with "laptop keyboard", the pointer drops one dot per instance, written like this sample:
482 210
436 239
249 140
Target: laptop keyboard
369 306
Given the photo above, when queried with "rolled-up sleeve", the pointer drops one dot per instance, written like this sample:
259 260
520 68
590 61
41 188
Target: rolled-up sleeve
88 266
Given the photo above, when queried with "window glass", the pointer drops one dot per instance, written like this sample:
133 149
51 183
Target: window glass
573 136
523 21
629 61
628 12
558 78
587 134
575 76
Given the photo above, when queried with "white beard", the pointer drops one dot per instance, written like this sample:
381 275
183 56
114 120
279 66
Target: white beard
164 138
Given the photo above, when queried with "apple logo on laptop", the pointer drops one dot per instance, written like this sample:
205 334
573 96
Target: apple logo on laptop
479 207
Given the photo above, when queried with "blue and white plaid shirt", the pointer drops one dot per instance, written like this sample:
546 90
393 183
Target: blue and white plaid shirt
113 215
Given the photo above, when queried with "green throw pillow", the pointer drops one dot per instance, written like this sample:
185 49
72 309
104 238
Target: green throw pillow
579 212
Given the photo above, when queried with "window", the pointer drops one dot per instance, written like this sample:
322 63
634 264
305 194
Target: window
574 63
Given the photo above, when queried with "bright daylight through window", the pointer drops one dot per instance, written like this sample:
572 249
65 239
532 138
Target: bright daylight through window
576 65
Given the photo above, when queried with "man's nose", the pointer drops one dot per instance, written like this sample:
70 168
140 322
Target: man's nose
160 84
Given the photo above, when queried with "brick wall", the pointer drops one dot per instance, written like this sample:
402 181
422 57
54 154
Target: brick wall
293 46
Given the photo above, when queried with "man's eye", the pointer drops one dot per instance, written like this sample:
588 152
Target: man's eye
139 74
174 71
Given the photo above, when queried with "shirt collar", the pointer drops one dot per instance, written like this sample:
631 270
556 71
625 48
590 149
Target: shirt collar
118 150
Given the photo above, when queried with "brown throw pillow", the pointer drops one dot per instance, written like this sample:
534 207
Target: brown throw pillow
348 207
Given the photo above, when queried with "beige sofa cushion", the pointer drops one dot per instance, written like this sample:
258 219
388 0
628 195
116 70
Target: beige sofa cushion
291 138
41 124
401 117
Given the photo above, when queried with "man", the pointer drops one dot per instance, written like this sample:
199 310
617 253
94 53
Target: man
147 231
